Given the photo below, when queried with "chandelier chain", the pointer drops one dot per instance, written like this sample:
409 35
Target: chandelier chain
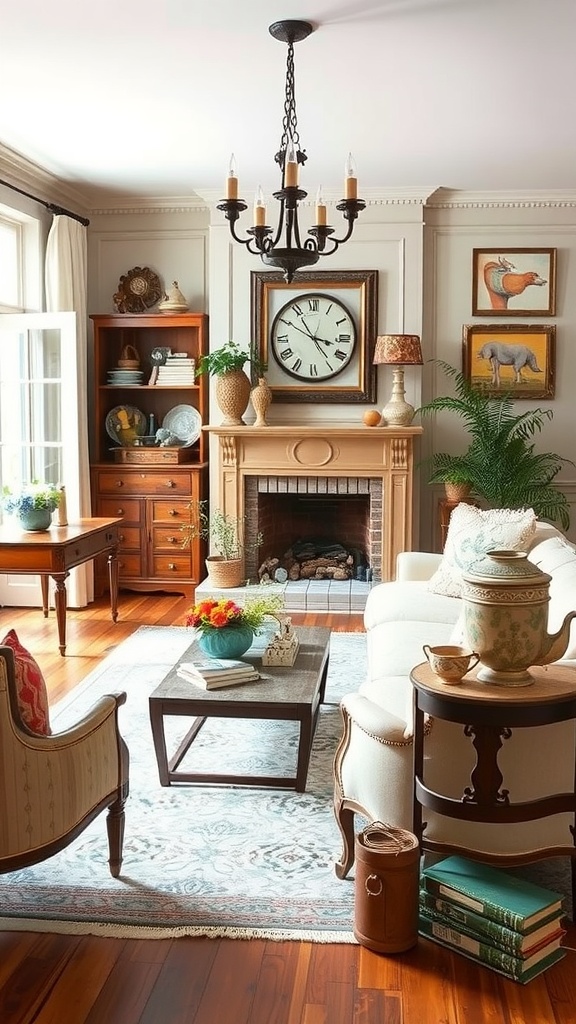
290 120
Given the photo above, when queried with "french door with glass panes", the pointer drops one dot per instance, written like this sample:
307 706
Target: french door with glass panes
38 417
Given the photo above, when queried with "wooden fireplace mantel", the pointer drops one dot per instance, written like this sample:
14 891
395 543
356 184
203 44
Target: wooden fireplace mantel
324 450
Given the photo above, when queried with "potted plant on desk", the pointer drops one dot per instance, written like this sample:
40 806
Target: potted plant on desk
225 534
33 503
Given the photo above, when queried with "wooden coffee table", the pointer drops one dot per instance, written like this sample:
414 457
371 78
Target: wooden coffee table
284 694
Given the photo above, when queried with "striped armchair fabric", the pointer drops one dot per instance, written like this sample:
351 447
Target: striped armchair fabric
51 787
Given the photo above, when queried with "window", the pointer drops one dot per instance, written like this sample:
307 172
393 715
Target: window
11 261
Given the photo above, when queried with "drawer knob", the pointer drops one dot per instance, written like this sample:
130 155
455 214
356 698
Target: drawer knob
173 512
119 483
119 511
170 483
171 565
172 540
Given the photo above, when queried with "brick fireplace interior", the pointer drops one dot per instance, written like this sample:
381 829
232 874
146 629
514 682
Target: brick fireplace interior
340 510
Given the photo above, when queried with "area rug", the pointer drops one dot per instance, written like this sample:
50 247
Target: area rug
201 860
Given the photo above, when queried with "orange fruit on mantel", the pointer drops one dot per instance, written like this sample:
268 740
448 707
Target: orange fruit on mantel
372 417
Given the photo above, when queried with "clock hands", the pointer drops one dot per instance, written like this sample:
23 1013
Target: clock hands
308 332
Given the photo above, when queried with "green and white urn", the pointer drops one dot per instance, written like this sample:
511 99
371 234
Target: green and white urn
506 600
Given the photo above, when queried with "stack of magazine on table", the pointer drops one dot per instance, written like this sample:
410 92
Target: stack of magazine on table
214 673
492 917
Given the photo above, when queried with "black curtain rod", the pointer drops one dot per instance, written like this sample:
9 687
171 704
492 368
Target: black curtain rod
51 207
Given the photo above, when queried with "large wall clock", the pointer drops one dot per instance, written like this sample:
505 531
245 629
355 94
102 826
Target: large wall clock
316 335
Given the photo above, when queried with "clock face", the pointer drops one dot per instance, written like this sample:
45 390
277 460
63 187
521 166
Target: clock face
313 337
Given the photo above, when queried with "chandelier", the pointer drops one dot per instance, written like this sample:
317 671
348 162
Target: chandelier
282 247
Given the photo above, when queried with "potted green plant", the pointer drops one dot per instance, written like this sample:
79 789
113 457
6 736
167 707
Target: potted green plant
501 463
33 503
232 382
225 535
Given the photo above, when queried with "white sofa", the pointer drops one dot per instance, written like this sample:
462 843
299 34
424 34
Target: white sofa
374 761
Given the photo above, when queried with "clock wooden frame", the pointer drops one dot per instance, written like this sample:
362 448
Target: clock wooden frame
358 290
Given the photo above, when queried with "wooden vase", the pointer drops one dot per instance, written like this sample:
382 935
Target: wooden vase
233 395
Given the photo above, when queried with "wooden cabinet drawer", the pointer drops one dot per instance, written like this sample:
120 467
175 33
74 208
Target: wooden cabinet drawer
165 481
129 537
131 509
129 565
169 538
178 566
170 512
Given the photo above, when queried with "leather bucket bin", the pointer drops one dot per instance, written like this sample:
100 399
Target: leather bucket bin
386 888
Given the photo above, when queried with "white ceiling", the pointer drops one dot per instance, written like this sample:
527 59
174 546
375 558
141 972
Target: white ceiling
134 97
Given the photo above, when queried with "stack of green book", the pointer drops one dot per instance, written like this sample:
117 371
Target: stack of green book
492 917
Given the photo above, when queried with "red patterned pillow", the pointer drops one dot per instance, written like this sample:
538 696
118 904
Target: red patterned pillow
30 686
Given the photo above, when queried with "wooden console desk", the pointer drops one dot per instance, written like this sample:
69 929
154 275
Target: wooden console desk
55 552
489 714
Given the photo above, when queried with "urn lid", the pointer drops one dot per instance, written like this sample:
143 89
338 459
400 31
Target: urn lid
507 567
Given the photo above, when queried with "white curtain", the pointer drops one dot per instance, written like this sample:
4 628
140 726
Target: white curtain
66 280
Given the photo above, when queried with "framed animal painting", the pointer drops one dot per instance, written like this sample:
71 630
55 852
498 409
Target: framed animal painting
506 359
514 282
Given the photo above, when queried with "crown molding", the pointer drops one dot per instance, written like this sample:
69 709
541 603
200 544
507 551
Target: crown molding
25 174
117 205
446 199
416 196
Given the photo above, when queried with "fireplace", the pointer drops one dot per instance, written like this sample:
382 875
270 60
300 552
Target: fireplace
314 527
363 475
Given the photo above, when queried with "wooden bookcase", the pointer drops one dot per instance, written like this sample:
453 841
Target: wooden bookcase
153 492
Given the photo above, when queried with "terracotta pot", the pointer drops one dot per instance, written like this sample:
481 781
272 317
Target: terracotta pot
233 395
457 492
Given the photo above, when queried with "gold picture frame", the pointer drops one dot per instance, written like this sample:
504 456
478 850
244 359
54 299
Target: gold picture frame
513 282
510 359
358 291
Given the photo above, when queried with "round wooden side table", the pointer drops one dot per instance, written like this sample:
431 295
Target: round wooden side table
489 714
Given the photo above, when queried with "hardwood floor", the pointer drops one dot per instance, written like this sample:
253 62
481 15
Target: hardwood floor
60 979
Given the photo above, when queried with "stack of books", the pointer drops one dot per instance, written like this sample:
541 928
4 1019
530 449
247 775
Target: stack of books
492 917
215 673
179 368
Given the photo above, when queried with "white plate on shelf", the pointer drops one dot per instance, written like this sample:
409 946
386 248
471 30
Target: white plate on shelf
185 422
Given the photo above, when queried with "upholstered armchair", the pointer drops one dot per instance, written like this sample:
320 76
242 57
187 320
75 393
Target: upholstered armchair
52 786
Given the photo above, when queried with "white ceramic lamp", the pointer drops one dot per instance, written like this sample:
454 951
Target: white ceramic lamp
398 350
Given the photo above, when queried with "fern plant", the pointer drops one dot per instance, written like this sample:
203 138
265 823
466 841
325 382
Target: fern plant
501 463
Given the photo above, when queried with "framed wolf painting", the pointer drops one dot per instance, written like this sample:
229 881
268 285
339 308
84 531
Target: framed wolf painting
505 359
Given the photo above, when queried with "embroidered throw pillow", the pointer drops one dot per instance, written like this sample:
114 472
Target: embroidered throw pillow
473 531
30 687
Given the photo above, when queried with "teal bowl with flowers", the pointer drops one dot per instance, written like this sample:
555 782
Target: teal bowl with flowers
227 642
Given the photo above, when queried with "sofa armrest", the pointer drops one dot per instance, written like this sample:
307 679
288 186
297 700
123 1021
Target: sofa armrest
417 565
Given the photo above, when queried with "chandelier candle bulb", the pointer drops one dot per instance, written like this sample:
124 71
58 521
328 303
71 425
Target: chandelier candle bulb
291 173
259 209
351 182
232 180
320 209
